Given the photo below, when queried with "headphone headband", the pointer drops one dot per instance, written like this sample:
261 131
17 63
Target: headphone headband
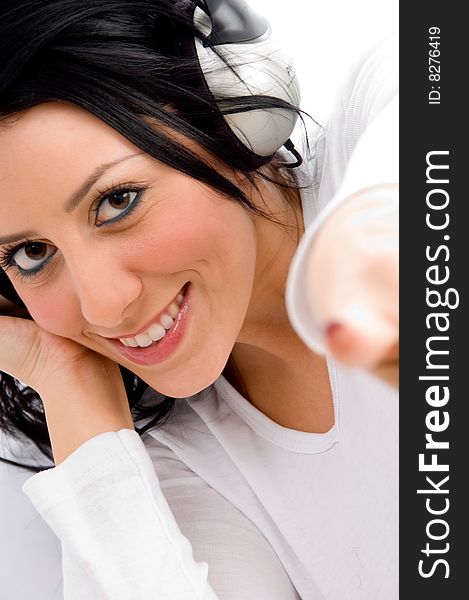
234 22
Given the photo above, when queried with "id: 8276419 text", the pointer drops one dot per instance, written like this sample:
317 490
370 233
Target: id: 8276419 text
434 71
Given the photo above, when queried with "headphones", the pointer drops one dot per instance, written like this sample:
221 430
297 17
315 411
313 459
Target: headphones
244 38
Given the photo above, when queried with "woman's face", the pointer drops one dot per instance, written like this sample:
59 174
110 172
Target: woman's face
163 253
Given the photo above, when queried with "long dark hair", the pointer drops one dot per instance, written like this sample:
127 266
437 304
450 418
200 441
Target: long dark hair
121 60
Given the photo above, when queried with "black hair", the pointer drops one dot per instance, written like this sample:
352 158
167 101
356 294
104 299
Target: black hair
121 60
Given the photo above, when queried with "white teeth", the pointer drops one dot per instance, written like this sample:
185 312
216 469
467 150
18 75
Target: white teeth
173 310
166 321
144 340
156 332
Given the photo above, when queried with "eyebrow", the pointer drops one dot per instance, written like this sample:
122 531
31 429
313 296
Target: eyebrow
76 198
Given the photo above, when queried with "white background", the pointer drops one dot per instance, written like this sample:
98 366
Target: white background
325 39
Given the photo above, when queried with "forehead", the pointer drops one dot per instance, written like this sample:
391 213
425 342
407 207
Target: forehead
54 136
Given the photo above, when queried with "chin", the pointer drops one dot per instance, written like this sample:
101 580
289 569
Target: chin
188 383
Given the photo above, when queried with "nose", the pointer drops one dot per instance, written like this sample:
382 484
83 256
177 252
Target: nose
105 289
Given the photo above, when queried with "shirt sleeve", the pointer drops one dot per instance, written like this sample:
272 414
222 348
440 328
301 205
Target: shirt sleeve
109 504
119 537
361 160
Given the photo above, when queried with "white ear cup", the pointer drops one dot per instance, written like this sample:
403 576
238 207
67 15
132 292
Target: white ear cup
264 69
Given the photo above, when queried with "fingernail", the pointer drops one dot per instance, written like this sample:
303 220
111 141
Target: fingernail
333 328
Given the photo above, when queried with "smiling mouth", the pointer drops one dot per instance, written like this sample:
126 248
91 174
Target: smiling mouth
156 331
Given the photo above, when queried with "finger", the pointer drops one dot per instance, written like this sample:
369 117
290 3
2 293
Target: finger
364 344
344 344
388 372
19 347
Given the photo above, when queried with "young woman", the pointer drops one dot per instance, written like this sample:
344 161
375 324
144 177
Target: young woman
179 270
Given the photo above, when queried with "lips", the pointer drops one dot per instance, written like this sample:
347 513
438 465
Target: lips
163 349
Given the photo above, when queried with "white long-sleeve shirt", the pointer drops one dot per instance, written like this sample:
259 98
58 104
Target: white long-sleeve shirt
222 502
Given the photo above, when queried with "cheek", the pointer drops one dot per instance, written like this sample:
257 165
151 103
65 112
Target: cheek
196 233
54 310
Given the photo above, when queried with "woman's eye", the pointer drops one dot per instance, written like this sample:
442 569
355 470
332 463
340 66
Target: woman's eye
115 205
30 257
33 255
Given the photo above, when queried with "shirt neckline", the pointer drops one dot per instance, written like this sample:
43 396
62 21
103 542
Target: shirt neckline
290 439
